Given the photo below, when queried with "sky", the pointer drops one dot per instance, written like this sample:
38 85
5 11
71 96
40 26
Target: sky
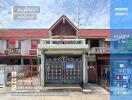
89 14
124 21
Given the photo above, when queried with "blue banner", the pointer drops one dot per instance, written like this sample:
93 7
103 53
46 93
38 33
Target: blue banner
121 49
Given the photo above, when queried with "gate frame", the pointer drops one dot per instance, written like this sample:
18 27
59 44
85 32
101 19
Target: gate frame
63 80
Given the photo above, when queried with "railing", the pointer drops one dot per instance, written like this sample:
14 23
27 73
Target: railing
33 52
99 50
13 51
62 41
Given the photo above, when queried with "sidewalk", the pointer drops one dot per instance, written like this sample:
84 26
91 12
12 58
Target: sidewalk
96 89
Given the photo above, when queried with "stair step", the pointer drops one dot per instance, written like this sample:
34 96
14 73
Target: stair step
63 87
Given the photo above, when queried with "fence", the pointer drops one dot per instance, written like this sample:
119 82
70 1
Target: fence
22 77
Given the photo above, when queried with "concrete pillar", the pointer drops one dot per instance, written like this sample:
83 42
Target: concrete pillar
88 41
85 71
22 61
101 43
42 68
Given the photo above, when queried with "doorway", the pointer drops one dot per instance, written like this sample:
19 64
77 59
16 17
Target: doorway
63 69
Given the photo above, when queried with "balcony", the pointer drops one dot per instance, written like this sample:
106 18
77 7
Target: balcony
99 50
13 51
62 44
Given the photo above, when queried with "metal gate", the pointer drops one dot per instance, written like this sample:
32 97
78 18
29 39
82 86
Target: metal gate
63 70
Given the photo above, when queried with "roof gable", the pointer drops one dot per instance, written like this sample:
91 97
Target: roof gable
63 21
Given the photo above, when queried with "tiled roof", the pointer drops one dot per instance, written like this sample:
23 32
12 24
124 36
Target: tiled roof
43 33
95 32
23 33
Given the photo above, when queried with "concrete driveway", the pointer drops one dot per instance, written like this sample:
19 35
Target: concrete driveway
97 93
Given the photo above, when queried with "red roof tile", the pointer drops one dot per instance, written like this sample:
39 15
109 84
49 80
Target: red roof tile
95 32
43 33
23 33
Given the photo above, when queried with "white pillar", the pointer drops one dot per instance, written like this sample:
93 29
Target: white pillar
85 71
88 41
42 68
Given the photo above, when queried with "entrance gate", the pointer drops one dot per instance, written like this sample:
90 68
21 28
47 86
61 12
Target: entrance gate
63 70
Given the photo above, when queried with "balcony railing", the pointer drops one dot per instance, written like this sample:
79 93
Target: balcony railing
98 50
62 41
13 51
33 52
63 44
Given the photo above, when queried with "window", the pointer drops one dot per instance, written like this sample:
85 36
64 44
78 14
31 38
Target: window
94 43
26 62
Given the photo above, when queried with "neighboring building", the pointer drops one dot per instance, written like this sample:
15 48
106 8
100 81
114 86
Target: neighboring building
68 54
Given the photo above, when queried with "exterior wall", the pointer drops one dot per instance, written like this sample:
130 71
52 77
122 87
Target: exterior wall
25 47
42 69
85 70
101 43
2 46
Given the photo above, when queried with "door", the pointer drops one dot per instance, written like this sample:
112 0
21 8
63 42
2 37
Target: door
92 73
54 70
73 70
63 70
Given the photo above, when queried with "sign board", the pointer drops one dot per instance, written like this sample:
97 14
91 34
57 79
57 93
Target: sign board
69 66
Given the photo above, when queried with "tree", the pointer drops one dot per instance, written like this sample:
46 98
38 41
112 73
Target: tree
85 13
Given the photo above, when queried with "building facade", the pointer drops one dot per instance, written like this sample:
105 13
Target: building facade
66 54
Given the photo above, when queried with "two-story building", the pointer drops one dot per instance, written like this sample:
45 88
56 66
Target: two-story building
67 54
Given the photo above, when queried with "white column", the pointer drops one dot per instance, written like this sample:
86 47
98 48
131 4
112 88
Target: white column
25 47
1 46
88 41
85 71
4 45
42 68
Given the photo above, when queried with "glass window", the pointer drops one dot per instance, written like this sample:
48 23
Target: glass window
94 43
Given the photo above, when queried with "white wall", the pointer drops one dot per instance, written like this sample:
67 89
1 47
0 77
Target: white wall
2 46
101 43
25 47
